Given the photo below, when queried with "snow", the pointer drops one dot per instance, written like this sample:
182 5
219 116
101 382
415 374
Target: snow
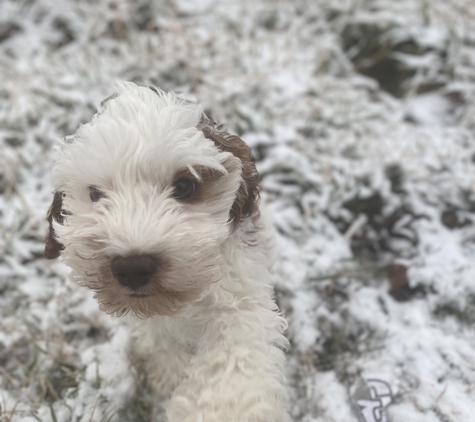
357 179
429 109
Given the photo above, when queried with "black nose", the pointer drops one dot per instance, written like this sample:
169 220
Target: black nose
134 271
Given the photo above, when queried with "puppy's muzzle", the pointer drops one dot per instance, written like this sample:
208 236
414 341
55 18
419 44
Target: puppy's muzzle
134 271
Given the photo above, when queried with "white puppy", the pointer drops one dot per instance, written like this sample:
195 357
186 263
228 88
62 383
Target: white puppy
157 212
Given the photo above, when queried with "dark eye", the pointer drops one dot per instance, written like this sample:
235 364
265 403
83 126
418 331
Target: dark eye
183 189
95 194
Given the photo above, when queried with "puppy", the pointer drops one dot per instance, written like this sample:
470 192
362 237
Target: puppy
157 212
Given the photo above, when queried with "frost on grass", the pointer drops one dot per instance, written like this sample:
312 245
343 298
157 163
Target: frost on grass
361 116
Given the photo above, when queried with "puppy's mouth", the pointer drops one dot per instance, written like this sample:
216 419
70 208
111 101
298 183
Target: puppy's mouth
139 295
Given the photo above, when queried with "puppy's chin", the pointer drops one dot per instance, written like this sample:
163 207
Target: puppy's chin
141 305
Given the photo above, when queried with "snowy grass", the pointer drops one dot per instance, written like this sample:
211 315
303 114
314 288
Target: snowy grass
361 115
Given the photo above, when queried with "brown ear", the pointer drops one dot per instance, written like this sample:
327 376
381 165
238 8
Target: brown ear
246 203
52 246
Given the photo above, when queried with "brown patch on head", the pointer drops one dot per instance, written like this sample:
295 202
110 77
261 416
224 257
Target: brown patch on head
52 246
246 203
165 294
205 179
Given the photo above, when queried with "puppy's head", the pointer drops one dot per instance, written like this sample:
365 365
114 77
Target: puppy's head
145 196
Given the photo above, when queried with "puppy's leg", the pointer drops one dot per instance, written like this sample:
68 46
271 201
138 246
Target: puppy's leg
236 374
163 356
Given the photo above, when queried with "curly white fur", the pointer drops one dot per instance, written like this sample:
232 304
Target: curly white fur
209 329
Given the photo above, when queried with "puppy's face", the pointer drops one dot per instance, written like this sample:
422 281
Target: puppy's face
145 198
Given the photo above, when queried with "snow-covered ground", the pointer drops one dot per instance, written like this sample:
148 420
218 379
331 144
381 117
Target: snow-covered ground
361 114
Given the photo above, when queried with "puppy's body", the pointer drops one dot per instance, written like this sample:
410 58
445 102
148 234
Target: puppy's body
157 212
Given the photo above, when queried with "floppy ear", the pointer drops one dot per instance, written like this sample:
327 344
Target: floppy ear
246 203
52 246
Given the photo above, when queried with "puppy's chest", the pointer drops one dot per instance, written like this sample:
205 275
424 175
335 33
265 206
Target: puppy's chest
187 336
